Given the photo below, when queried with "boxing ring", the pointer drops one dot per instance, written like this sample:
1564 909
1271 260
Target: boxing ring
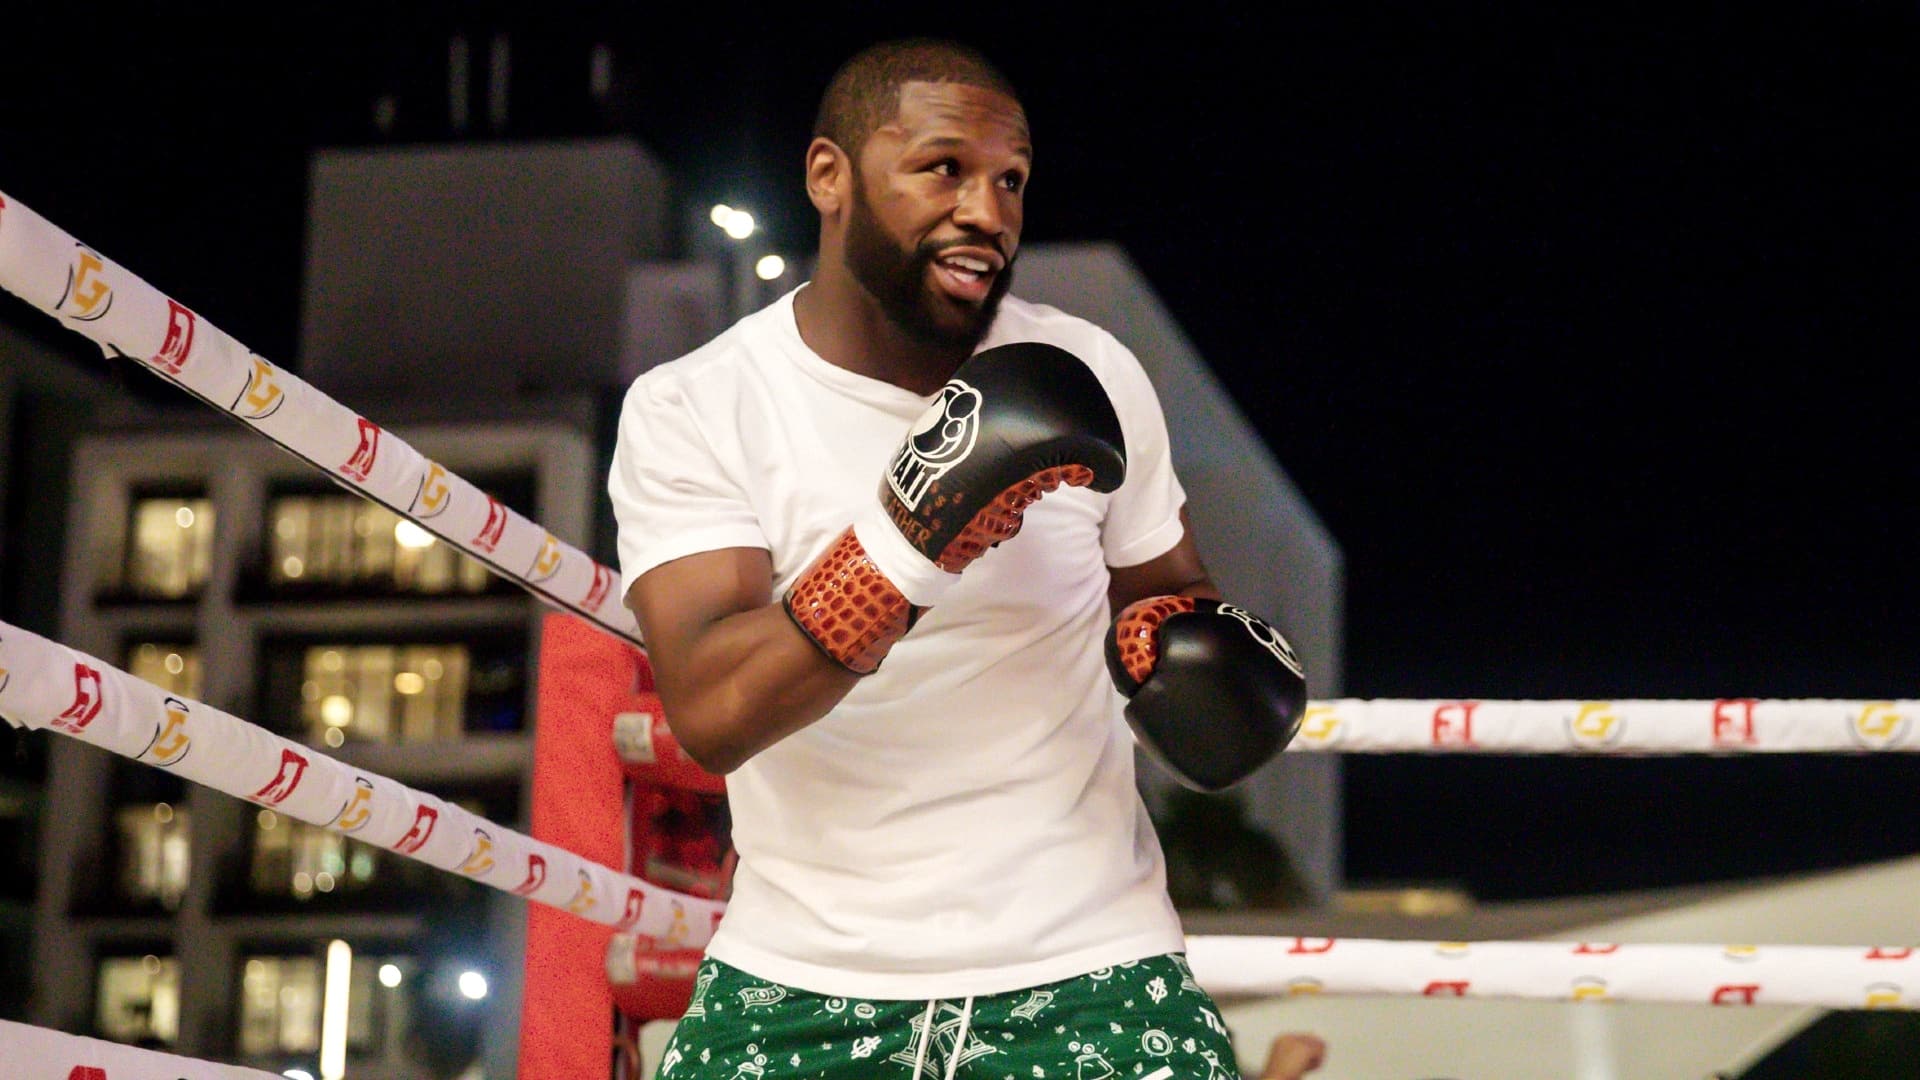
644 925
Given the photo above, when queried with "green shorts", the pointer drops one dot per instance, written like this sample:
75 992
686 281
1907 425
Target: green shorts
1145 1020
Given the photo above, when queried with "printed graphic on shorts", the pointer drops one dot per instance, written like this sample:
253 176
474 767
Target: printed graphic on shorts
1141 1020
697 1005
946 1025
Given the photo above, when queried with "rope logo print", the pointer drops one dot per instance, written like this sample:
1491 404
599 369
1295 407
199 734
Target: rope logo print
170 741
86 701
92 297
1595 724
179 340
262 396
1266 635
941 439
1879 725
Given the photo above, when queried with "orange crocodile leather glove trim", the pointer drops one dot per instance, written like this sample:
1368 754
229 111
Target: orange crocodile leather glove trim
1001 518
1137 628
848 607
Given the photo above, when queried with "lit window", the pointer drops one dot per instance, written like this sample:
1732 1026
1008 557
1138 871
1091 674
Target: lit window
339 541
280 1005
384 693
170 546
153 853
173 668
137 998
293 858
282 1002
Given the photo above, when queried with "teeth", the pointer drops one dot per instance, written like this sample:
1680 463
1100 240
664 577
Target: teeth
967 262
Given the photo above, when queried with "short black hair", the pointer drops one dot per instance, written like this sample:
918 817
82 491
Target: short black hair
865 93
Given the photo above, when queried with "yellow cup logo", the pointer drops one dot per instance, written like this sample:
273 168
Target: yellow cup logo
87 290
433 496
583 900
480 859
170 741
1879 725
1595 724
1588 988
1305 987
1742 953
359 808
1320 726
547 561
1883 996
1452 948
262 396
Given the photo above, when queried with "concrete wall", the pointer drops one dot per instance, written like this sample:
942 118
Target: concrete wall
1262 542
502 266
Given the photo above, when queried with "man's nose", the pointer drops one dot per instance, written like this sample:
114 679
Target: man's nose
978 207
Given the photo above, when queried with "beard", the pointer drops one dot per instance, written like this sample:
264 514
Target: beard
898 280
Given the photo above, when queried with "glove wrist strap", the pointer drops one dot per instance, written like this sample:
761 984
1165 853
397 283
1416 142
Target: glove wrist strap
848 607
913 574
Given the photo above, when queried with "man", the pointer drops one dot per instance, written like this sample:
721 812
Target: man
945 868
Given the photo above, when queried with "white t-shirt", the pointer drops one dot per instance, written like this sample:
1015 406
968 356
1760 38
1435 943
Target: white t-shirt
966 820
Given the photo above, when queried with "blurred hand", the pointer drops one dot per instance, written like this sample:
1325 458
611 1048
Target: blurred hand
1293 1055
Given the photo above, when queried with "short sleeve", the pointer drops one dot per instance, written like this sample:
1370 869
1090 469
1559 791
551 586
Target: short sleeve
672 494
1143 516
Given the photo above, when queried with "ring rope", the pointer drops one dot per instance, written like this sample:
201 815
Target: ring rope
1830 976
1722 726
102 301
45 685
34 1053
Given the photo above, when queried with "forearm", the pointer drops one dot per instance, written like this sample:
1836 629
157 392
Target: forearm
748 681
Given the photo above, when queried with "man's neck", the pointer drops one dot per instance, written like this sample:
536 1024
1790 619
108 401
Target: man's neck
847 328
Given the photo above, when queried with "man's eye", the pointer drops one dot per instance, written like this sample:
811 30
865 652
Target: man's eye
1013 182
948 167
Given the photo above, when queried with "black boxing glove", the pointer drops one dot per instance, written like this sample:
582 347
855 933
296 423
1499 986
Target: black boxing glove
1015 422
1213 691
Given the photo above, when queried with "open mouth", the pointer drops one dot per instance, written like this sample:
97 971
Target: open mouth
964 277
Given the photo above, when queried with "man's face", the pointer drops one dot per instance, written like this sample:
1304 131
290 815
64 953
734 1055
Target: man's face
938 197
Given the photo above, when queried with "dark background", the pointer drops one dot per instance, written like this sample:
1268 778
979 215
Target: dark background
1587 331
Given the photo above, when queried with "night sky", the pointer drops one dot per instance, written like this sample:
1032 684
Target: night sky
1586 332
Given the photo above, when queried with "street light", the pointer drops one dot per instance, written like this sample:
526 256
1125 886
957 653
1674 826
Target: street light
737 224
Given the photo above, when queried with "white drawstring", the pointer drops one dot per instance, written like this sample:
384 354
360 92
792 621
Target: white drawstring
926 1036
960 1041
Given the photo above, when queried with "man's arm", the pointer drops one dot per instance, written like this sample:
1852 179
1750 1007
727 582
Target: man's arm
1179 572
1213 691
734 673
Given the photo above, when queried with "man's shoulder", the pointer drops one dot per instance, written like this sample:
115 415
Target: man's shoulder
734 355
1025 320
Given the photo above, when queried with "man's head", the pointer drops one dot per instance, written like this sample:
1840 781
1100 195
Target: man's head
918 165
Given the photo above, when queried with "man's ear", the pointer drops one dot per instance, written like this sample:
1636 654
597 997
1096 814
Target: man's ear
829 177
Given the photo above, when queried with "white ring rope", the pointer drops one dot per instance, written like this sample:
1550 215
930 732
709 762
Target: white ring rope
1724 726
33 1053
45 685
48 686
100 300
1830 976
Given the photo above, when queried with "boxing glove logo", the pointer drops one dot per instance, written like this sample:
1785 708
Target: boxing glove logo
1268 636
941 439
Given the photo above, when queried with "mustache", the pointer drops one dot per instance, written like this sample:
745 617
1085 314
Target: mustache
932 249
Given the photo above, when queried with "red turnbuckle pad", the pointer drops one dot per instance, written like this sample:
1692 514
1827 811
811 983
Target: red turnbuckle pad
1137 630
1000 519
848 607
